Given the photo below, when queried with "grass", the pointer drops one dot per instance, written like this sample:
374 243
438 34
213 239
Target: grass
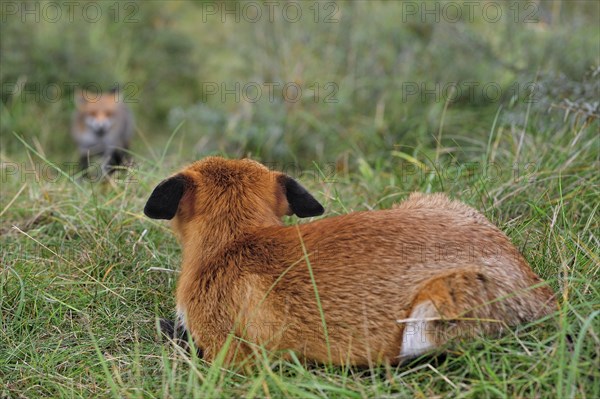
85 276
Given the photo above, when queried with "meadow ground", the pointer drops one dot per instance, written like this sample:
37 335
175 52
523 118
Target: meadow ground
84 275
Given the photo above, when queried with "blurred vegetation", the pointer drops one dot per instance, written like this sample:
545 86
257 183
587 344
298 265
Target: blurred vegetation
371 54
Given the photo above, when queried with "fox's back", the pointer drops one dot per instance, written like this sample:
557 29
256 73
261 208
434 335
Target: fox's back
410 239
419 239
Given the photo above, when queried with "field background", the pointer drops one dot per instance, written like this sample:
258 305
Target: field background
84 275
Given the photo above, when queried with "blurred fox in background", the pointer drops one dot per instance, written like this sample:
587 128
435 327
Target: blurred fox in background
102 127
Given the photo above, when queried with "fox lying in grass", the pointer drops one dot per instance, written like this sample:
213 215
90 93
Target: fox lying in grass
102 128
362 288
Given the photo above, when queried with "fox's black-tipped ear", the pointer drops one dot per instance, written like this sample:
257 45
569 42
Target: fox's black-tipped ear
301 203
164 200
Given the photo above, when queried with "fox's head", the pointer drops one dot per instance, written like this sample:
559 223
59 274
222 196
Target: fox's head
218 192
97 109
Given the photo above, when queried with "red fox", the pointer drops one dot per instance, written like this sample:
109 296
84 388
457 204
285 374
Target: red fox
102 127
373 286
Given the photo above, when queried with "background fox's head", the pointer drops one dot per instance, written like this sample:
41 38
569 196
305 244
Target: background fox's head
98 110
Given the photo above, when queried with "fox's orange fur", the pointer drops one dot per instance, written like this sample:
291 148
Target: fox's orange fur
392 283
